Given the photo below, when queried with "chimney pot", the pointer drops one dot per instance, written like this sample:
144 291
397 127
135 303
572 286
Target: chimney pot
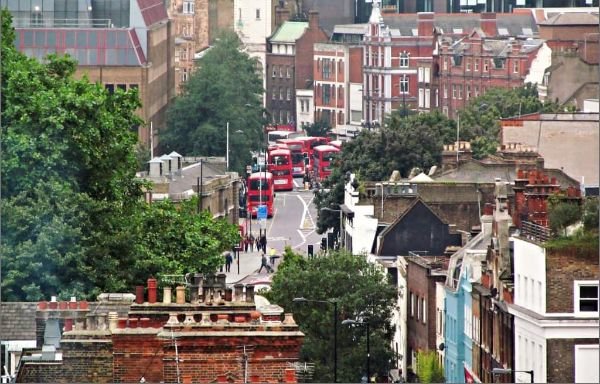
133 322
152 283
68 325
122 323
90 322
180 294
250 293
84 305
139 294
63 305
145 322
113 320
42 305
167 295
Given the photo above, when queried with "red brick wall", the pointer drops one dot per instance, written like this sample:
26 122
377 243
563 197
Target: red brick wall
562 268
355 69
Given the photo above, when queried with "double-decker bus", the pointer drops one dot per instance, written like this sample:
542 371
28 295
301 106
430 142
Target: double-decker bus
321 160
280 166
310 142
296 149
273 136
336 143
260 191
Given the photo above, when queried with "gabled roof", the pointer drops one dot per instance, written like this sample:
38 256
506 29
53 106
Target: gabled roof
289 32
153 11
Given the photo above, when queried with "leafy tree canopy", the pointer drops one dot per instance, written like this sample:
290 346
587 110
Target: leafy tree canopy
225 87
480 120
73 221
319 128
362 292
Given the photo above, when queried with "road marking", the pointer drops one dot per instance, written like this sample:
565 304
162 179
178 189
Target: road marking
296 184
302 236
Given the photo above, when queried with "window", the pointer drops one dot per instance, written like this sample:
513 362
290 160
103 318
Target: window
404 84
404 60
476 65
420 74
586 298
188 7
281 71
288 72
427 98
289 94
257 14
421 97
274 70
460 91
301 105
468 65
412 305
445 64
326 68
486 65
516 66
476 90
427 74
274 94
468 92
281 93
445 91
418 308
499 62
424 306
326 93
454 94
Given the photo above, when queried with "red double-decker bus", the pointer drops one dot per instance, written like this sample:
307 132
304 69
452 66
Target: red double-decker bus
309 143
322 156
280 166
296 148
260 191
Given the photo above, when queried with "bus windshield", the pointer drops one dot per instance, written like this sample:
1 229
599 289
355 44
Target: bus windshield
261 184
297 157
279 160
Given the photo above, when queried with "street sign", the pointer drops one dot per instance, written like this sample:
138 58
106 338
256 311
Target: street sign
261 212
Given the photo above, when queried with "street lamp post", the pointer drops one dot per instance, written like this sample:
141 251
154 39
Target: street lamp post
504 371
363 323
341 240
335 318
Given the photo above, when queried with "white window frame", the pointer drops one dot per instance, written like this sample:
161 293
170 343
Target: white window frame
412 304
404 60
427 75
476 65
576 302
424 313
404 84
418 308
420 74
257 13
427 98
188 7
421 98
468 65
516 66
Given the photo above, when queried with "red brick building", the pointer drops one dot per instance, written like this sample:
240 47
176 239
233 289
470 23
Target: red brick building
290 64
221 335
422 275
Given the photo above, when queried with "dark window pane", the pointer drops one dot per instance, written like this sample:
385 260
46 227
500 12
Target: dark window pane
110 87
133 86
588 305
121 87
588 291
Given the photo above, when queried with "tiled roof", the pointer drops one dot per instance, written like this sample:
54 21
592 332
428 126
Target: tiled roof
572 18
18 321
448 23
153 11
289 32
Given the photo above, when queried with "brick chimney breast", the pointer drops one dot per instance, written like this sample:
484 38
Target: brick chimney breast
281 16
487 23
313 20
425 23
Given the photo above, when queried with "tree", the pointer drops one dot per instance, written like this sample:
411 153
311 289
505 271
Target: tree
225 87
429 369
361 289
319 128
401 144
480 119
562 213
74 221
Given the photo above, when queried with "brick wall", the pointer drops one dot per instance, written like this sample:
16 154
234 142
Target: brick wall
560 354
276 83
562 268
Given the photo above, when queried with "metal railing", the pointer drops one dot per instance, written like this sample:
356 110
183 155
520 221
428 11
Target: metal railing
535 232
33 22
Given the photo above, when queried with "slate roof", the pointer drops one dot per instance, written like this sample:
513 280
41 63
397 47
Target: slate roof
190 174
17 321
513 23
289 32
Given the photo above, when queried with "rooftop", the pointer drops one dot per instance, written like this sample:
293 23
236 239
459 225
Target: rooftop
572 18
289 32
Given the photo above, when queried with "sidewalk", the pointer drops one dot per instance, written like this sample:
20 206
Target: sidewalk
249 263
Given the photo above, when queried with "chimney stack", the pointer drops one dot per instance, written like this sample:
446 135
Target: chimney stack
425 23
313 20
281 16
487 22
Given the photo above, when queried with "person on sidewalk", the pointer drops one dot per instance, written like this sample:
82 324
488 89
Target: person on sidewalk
251 241
263 263
228 261
272 256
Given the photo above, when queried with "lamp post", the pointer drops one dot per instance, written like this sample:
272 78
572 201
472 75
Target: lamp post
335 318
363 323
341 222
503 371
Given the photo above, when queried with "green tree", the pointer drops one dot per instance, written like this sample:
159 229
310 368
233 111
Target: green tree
74 222
590 215
429 369
562 213
480 119
361 289
319 128
401 144
225 87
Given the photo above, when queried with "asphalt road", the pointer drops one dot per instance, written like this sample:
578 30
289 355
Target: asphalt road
293 222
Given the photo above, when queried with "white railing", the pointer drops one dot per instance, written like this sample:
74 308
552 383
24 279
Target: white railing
32 22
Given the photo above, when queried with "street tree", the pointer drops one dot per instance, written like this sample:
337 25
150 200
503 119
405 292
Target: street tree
225 86
362 291
320 128
73 218
480 119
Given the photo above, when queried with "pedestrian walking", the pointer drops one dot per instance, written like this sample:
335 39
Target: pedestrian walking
258 244
272 256
251 242
263 242
228 261
246 243
264 264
